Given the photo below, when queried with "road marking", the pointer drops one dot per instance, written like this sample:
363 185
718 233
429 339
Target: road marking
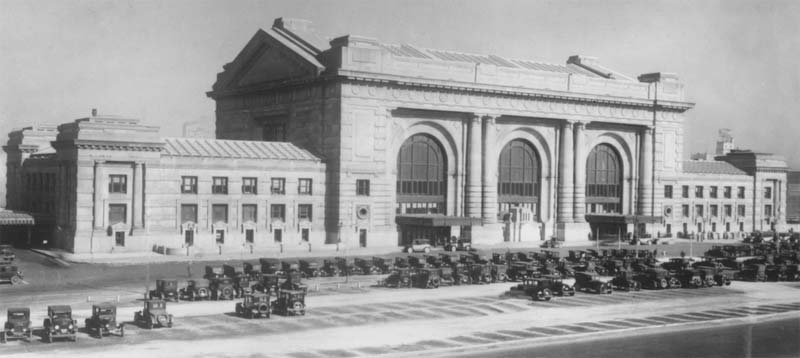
549 331
494 336
469 340
521 334
578 328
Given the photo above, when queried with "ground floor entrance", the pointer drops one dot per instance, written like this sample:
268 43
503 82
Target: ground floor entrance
437 229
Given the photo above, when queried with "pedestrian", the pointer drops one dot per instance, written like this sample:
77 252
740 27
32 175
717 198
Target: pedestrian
683 254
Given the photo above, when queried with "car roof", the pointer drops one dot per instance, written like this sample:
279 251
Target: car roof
60 308
19 309
104 305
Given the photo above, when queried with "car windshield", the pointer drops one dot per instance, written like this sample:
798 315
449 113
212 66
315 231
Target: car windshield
105 311
17 315
61 315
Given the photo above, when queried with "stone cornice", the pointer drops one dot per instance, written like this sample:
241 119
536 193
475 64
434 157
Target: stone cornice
109 145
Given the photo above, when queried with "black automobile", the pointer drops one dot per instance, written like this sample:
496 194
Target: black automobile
18 325
103 321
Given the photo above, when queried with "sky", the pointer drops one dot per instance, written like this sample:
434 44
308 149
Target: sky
155 60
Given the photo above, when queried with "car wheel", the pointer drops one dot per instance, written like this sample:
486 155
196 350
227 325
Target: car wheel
427 250
452 249
16 280
409 250
662 283
547 294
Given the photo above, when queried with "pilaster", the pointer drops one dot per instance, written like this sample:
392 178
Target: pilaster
138 195
646 173
99 193
579 209
490 158
566 174
474 186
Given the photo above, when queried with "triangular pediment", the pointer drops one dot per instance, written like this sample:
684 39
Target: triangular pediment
267 58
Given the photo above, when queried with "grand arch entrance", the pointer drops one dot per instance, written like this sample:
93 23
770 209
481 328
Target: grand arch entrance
604 188
518 189
422 194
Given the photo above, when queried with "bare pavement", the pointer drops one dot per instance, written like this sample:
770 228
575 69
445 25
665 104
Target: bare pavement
362 321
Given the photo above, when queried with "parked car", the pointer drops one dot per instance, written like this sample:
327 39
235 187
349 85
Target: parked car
533 288
330 268
59 324
290 303
721 274
7 255
18 325
222 288
399 277
254 306
457 244
590 282
213 272
752 272
624 281
427 278
154 314
656 278
197 289
10 273
310 268
165 290
384 265
418 245
103 321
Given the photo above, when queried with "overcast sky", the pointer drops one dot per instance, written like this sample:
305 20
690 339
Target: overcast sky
155 60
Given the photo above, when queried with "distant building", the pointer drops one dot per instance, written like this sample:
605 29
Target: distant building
793 199
725 142
377 144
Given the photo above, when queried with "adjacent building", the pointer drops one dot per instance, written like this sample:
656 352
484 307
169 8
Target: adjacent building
352 140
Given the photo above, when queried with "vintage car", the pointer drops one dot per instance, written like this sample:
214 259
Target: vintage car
165 290
222 288
233 271
417 262
253 306
461 274
290 303
623 281
271 266
18 325
517 270
792 272
154 314
656 278
10 273
268 283
447 277
753 272
330 268
384 265
718 272
479 273
293 281
556 285
253 270
690 278
59 324
399 277
553 243
457 244
245 285
366 266
213 272
103 321
310 268
418 245
590 282
534 288
499 272
427 278
347 267
197 289
7 255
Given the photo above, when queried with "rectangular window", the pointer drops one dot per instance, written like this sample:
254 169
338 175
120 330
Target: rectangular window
249 186
713 210
278 212
726 192
685 191
698 191
249 213
219 185
698 210
767 210
117 213
304 212
740 192
685 211
668 191
712 192
278 186
728 211
768 192
362 187
189 185
188 213
219 213
304 186
741 210
273 129
118 184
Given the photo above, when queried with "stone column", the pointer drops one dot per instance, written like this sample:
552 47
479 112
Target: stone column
579 209
99 191
474 188
565 174
138 195
490 158
646 173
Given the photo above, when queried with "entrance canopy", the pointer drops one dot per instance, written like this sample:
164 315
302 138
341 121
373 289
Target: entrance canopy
9 217
623 219
431 220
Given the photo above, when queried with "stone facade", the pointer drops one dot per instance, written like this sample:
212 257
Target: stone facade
509 145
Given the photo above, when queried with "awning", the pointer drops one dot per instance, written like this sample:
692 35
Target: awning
623 219
8 217
436 220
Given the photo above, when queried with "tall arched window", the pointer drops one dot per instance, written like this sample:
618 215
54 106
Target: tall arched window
518 181
603 181
421 176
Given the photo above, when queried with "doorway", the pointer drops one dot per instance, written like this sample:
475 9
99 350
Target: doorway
188 237
220 237
304 235
119 238
278 236
249 236
362 237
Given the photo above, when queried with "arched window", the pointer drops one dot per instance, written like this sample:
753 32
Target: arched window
518 181
421 176
603 180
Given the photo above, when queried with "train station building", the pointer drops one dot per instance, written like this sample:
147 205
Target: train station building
354 141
